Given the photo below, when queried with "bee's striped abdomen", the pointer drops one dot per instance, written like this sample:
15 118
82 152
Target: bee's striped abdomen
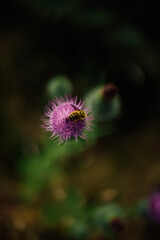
71 118
76 115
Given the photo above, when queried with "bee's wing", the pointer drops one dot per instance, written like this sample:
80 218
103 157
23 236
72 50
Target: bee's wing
77 109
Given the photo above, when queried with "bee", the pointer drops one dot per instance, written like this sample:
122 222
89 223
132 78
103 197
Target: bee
77 115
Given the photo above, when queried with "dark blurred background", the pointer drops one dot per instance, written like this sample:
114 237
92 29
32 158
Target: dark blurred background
89 42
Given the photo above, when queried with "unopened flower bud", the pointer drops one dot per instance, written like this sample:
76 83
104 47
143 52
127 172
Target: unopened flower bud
58 86
117 224
109 91
104 110
110 218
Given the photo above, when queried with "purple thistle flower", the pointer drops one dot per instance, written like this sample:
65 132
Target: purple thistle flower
56 119
154 207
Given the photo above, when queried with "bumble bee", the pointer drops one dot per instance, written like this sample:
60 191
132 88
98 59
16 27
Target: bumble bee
77 115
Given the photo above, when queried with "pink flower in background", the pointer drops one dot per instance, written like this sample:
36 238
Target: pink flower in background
154 207
66 119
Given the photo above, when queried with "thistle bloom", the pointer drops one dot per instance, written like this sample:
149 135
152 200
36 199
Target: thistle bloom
56 119
154 207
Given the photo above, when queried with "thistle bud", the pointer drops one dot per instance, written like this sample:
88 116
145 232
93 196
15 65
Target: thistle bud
117 224
104 110
140 209
109 91
110 218
80 229
58 86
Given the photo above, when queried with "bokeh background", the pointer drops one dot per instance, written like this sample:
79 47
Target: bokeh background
44 190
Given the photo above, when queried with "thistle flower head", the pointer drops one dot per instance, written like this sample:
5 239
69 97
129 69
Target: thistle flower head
62 123
154 207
